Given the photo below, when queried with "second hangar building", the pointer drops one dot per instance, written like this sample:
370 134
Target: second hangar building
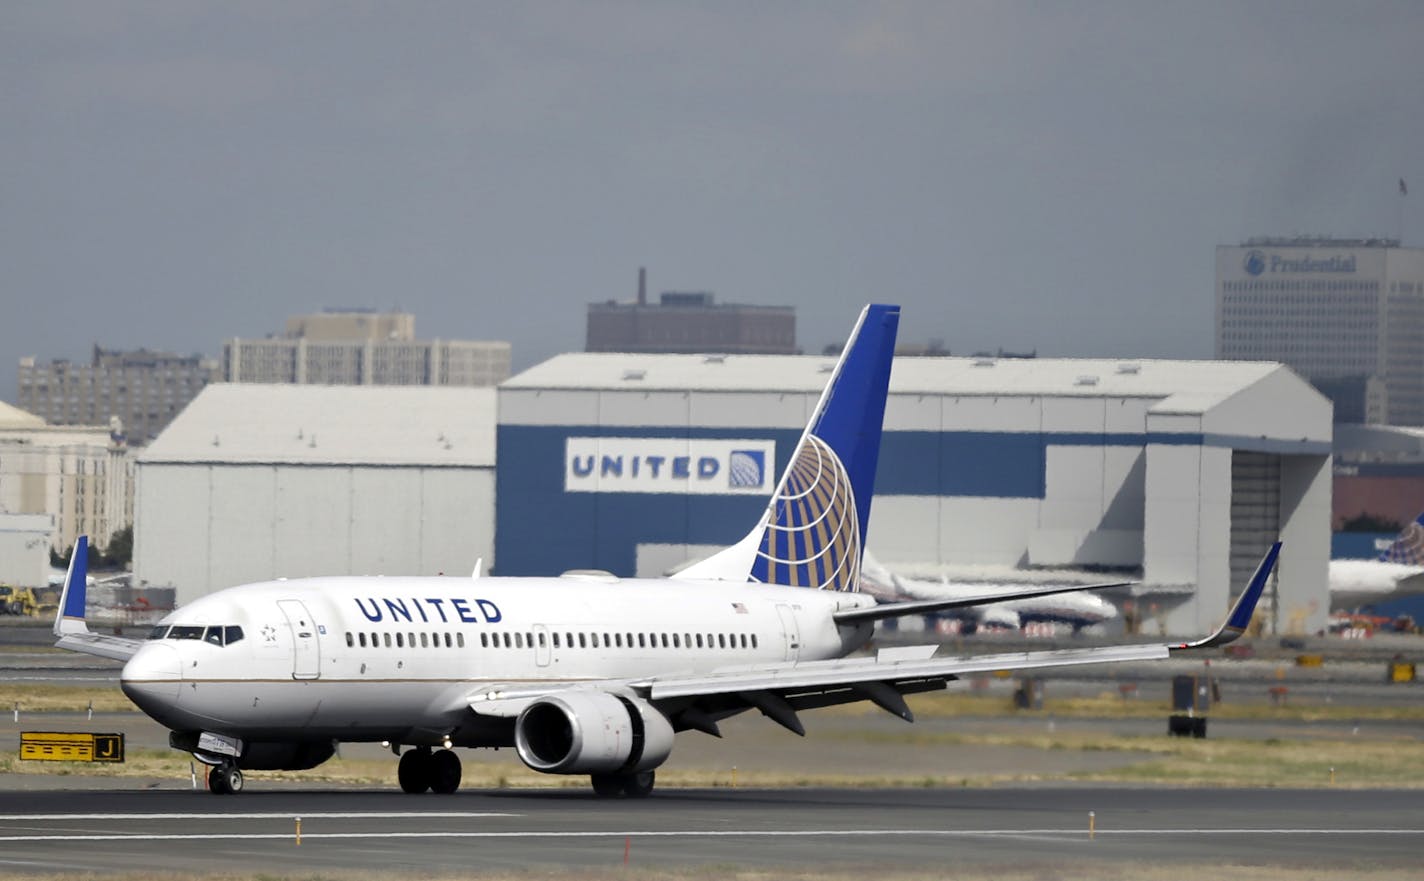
1186 470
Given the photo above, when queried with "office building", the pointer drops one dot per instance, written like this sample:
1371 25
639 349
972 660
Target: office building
363 348
144 390
691 323
1347 314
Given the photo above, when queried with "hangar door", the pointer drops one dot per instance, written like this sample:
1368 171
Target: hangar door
1255 521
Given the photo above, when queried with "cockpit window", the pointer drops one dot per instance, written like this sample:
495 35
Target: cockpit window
213 636
231 634
182 632
158 632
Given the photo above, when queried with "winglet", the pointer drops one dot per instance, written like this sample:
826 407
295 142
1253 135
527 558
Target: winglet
1240 617
70 618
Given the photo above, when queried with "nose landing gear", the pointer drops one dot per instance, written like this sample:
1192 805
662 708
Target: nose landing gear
225 779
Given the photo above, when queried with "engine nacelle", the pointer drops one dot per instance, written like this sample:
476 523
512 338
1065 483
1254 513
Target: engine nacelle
592 732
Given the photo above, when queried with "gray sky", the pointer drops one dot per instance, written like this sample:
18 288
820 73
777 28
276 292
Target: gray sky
1031 176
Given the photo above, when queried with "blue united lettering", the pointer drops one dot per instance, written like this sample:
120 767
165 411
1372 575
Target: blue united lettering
398 609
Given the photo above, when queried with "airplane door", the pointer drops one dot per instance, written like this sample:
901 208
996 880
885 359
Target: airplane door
790 630
306 653
542 649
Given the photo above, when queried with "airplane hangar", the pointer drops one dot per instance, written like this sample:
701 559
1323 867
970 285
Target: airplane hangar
1182 471
255 482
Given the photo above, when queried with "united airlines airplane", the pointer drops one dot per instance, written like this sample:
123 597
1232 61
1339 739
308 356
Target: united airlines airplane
584 673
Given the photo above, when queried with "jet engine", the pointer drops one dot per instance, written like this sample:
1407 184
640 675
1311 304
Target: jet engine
592 732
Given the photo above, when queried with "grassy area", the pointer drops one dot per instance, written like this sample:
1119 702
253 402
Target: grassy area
941 705
1169 761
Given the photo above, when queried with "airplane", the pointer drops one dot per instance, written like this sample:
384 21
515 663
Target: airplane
1079 607
1395 575
583 674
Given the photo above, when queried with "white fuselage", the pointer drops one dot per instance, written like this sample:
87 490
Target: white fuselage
401 659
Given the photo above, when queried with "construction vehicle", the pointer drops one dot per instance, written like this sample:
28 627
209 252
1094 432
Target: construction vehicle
18 600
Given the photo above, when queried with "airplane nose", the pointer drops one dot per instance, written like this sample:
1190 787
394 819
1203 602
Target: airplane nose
152 678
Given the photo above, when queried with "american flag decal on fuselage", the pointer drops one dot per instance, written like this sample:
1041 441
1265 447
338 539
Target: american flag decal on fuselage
814 538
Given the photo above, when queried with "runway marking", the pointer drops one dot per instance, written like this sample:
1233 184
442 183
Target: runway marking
269 815
702 833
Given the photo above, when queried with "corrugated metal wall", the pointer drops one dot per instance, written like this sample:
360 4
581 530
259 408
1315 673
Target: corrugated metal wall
201 528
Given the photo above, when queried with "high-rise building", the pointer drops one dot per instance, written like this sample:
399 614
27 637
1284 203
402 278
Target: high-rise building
1347 314
81 476
690 323
363 348
144 390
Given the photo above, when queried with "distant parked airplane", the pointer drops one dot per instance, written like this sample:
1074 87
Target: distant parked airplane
1399 572
1000 604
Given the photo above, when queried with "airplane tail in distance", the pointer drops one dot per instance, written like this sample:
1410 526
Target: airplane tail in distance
814 528
1408 547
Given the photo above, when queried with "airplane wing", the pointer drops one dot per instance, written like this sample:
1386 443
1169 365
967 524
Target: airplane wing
780 690
71 629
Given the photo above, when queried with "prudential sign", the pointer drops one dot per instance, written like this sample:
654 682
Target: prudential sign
668 465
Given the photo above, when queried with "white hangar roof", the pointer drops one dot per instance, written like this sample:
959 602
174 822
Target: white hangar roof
1183 386
241 423
14 417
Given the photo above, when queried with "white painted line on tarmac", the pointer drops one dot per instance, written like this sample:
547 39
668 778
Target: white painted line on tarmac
267 815
723 833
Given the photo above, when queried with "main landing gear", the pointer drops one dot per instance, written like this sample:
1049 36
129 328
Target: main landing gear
224 779
637 785
421 770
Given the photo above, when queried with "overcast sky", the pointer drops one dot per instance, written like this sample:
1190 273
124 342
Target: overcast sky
1049 177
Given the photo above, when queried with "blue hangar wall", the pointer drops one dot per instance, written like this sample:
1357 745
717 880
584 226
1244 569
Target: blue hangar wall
542 527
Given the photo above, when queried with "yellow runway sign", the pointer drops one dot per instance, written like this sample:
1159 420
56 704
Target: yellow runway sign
71 746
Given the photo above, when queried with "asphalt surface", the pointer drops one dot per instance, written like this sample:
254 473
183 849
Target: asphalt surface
769 829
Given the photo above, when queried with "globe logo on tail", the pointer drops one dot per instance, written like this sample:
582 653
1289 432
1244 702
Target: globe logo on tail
813 538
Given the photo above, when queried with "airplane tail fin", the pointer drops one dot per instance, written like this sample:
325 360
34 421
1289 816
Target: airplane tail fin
814 528
70 617
1408 547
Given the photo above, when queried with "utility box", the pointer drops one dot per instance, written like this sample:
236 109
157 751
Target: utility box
1401 671
1029 694
1191 700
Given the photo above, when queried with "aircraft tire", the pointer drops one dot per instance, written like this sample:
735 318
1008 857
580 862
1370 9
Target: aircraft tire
414 771
234 780
217 781
607 785
638 785
444 772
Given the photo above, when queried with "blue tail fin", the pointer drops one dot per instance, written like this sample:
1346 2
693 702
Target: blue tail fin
814 529
70 618
1408 547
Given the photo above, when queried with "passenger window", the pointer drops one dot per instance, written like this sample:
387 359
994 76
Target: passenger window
519 640
754 642
541 640
447 640
484 640
699 640
411 643
676 643
582 642
388 639
460 640
424 643
507 642
232 633
362 638
556 640
618 639
664 640
350 639
721 641
642 641
158 632
744 640
400 640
